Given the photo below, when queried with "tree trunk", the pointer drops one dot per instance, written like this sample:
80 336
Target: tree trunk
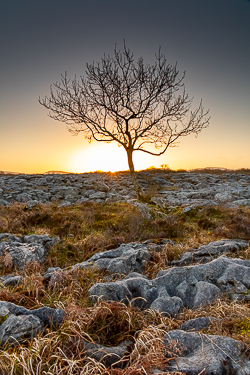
137 187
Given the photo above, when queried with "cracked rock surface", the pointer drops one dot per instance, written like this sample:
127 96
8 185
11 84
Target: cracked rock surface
189 286
21 250
206 253
188 189
209 354
109 356
16 328
18 323
127 258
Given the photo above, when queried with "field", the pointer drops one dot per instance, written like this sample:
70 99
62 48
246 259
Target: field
92 227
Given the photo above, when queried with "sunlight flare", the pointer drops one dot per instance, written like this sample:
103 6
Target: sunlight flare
107 157
100 157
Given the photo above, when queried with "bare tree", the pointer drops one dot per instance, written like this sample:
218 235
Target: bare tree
132 103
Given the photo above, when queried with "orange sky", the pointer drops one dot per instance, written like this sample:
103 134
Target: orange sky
54 148
41 40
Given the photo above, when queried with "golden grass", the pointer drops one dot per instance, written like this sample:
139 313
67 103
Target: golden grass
92 227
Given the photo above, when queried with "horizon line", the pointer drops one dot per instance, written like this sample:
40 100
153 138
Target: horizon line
127 170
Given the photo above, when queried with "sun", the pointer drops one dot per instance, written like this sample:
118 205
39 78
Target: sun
108 157
99 157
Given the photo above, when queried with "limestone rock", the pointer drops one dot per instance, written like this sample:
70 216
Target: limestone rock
143 209
98 195
65 204
139 290
206 253
23 197
186 189
167 305
126 258
3 202
48 316
196 324
205 293
240 202
43 239
4 313
11 280
109 356
159 201
16 328
32 203
223 197
101 186
22 250
18 323
210 354
195 286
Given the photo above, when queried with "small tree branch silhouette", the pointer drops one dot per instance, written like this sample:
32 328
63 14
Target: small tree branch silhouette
129 102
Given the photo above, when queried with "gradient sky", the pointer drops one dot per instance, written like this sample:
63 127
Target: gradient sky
40 39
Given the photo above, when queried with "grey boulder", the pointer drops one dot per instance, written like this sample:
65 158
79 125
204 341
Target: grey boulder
190 286
3 202
206 253
167 305
32 203
125 259
22 250
109 356
16 328
11 280
139 291
196 324
47 315
18 323
196 353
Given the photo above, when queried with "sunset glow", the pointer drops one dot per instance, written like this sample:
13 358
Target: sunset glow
107 157
103 157
34 54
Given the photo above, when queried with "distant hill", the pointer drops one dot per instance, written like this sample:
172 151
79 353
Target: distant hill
218 170
211 170
9 172
57 172
49 172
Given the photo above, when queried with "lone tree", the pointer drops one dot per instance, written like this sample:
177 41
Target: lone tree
129 102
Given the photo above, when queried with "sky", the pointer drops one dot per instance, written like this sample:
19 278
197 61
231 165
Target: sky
40 39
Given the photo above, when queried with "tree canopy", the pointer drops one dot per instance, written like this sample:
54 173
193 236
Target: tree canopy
130 102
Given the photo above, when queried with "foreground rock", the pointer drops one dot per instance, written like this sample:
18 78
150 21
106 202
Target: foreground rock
18 251
197 324
206 253
109 356
173 288
18 323
196 353
192 353
127 258
131 257
174 189
17 328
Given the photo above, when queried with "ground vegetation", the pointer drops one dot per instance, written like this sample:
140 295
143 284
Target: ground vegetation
90 227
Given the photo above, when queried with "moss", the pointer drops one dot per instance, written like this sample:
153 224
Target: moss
3 318
243 326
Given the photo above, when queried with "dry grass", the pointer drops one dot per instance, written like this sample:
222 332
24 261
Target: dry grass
109 324
63 351
54 353
92 227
